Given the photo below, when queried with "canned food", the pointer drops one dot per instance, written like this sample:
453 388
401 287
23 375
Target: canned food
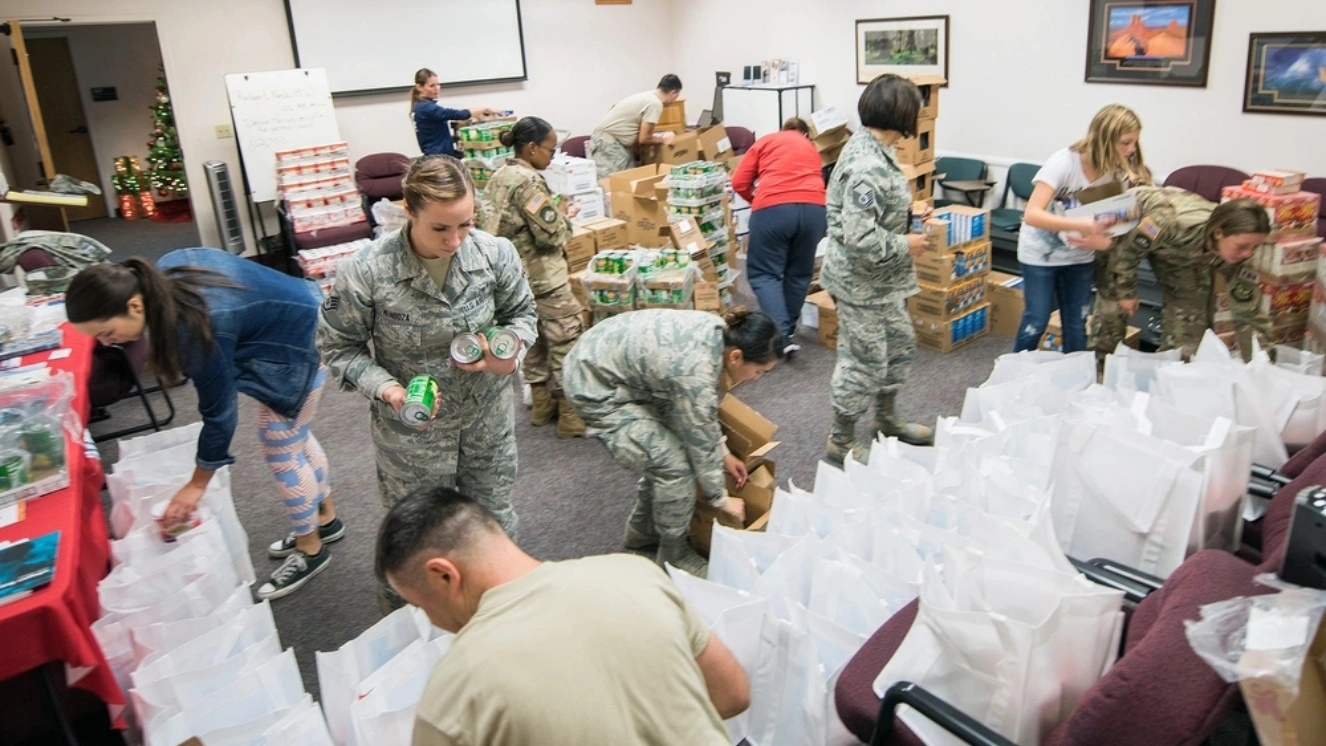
466 348
420 396
503 343
13 469
172 530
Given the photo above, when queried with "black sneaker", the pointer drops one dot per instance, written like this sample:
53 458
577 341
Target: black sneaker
791 350
297 570
329 533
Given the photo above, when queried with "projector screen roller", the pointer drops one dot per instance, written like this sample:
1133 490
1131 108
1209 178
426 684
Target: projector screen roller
376 47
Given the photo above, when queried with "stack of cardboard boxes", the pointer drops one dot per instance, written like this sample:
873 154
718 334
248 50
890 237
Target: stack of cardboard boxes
950 311
916 155
1286 266
828 130
589 238
575 180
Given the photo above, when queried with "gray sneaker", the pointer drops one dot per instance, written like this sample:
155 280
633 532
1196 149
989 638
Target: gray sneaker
298 569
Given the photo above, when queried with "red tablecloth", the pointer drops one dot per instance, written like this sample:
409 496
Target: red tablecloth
54 623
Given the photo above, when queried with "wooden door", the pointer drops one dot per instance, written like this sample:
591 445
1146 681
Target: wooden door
67 133
39 217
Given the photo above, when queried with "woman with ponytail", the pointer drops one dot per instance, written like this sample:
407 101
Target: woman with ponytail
230 326
647 385
520 208
432 121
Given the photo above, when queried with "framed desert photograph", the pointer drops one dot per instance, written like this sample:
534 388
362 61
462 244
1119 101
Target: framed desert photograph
1152 42
905 46
1286 73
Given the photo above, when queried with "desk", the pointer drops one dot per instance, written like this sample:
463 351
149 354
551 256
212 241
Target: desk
54 623
968 188
763 108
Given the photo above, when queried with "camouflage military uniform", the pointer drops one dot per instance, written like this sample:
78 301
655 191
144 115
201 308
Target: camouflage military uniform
1172 237
869 274
383 295
646 384
520 208
609 156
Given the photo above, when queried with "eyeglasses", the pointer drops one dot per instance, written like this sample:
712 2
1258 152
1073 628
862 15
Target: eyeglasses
545 147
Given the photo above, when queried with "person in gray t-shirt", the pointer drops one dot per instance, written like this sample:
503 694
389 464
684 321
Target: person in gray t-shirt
631 121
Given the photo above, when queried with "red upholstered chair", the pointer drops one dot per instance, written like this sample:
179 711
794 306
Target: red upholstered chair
1318 185
1206 180
379 175
575 146
1158 692
741 138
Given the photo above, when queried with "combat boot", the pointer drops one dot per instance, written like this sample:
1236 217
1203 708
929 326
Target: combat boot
640 531
544 405
569 424
842 441
678 553
890 425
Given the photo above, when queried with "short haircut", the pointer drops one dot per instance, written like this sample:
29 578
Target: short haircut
890 102
439 520
797 124
669 83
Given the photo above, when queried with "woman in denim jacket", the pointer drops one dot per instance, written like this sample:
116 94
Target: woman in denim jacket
231 326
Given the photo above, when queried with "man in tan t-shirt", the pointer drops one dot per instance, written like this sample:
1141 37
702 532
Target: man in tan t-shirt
600 650
632 122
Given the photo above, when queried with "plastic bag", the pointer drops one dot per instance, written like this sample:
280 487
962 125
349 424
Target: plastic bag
342 672
1258 636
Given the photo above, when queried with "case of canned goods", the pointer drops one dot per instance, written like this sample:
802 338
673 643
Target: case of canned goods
32 438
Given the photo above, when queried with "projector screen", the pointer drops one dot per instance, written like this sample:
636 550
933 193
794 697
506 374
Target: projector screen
376 47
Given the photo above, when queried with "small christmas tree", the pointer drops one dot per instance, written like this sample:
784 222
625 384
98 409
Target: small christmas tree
165 162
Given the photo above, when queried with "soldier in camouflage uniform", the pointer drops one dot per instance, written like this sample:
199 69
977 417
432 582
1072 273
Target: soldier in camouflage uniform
868 269
1188 242
390 295
646 384
520 208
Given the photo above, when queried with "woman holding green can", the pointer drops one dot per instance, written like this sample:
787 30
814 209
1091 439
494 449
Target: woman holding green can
393 315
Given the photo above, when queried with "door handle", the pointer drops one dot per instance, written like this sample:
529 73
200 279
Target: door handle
79 130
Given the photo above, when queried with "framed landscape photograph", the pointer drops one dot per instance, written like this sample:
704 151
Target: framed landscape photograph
1286 73
905 46
1151 42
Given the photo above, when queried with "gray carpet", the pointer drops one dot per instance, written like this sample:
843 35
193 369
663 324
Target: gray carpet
571 498
145 238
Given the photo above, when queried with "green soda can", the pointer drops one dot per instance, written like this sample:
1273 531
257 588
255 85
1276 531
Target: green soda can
13 469
466 348
420 396
503 343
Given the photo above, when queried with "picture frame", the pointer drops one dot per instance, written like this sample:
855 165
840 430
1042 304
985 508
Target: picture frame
912 47
1286 73
1150 42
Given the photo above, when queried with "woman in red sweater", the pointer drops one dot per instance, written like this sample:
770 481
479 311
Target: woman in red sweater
782 178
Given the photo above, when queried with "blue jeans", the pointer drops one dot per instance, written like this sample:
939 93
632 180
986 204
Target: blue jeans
1068 287
781 259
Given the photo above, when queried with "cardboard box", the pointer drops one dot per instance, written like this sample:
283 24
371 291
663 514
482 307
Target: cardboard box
580 248
673 118
1290 257
828 318
714 144
1291 214
826 120
706 297
1281 717
758 494
929 86
607 233
946 335
830 145
1276 181
640 200
589 205
636 182
1282 298
921 178
577 282
749 434
942 269
686 235
947 302
955 226
919 149
684 149
1004 291
569 175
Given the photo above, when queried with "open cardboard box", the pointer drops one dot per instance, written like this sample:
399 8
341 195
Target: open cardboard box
749 438
714 143
640 200
685 148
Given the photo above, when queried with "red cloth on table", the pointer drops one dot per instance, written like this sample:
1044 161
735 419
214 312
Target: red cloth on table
55 622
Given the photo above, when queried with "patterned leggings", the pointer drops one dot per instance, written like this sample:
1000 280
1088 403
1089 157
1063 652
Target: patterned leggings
296 459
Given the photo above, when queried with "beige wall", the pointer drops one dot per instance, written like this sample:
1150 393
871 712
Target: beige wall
581 59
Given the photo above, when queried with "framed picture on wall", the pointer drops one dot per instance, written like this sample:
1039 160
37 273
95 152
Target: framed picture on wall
1286 73
1151 42
905 46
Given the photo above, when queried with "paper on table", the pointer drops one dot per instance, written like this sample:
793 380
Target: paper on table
11 514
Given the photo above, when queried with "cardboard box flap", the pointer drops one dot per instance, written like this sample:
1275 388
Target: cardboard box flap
749 434
912 172
636 181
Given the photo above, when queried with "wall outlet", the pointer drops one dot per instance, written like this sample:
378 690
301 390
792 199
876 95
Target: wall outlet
224 131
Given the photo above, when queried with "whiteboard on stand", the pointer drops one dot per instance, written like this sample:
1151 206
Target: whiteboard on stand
274 111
